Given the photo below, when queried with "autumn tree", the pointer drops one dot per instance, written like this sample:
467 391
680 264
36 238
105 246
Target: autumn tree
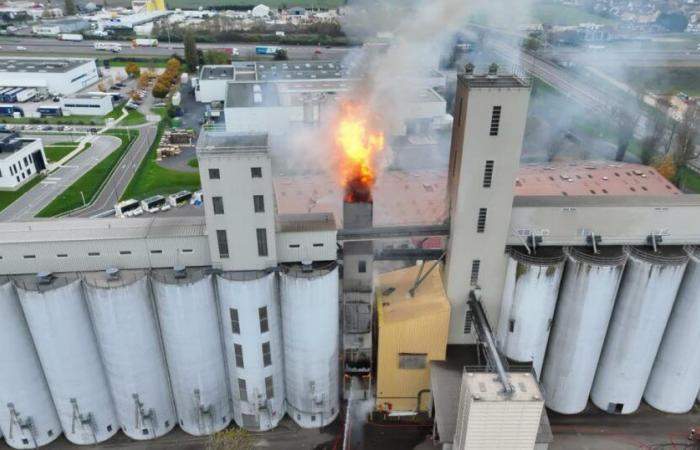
132 69
666 167
231 439
143 81
69 7
160 90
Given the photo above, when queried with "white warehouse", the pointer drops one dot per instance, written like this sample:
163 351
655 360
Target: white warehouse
20 159
55 75
87 105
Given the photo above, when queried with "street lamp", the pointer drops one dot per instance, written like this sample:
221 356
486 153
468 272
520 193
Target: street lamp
83 197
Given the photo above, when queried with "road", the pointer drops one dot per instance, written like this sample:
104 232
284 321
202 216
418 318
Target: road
46 47
41 195
628 58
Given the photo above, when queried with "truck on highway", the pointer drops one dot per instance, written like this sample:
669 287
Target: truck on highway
144 42
266 50
25 95
69 37
113 47
11 111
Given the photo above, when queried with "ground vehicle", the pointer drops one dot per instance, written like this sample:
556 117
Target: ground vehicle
113 47
180 198
21 49
48 111
114 88
153 204
11 95
144 42
128 208
10 111
25 95
266 50
69 37
317 52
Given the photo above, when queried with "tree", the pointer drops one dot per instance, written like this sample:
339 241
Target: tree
160 90
531 44
69 7
191 58
625 132
132 69
143 81
231 439
216 57
666 167
684 149
675 21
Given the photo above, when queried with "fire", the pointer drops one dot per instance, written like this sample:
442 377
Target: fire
360 144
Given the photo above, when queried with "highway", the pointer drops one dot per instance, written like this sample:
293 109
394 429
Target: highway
47 46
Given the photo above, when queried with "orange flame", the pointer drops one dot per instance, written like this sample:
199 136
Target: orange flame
359 144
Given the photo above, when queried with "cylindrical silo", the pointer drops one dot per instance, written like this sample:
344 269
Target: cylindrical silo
127 333
585 305
189 323
28 417
529 298
252 333
59 321
675 377
310 330
644 301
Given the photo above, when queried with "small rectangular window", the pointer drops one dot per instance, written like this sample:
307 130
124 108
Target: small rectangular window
156 252
125 252
242 390
218 204
29 256
481 223
258 203
476 265
362 266
267 356
511 325
62 255
238 350
235 325
488 174
94 254
261 234
222 242
187 250
413 360
269 388
468 322
262 313
294 245
256 172
495 120
318 245
214 174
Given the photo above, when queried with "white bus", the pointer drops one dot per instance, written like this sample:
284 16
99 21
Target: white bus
180 198
128 208
154 204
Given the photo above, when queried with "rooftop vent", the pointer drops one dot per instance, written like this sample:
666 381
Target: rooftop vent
469 70
493 71
44 277
112 273
180 271
307 266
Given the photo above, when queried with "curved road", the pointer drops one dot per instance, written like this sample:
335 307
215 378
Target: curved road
36 199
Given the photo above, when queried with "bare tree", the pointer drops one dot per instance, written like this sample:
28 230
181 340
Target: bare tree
651 143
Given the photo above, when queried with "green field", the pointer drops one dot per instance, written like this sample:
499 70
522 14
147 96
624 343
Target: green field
135 117
151 178
554 14
91 182
663 80
689 179
7 197
193 162
56 152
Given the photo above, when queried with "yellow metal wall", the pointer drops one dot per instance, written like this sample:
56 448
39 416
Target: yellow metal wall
422 333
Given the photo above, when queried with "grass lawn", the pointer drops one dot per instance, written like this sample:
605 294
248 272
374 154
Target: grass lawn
56 152
134 117
151 178
193 162
7 197
91 182
689 179
664 80
564 15
142 63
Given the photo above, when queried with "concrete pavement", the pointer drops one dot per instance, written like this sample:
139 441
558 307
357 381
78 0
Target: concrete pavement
36 199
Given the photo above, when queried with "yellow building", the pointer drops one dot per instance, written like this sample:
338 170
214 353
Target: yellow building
148 5
412 331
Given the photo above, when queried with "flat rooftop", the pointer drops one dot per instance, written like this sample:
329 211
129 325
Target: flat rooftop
397 305
493 81
276 71
219 140
420 196
33 65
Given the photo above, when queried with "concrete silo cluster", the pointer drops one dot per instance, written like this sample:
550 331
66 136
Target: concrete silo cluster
143 351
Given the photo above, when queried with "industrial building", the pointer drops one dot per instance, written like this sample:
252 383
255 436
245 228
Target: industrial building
21 159
584 275
87 105
48 75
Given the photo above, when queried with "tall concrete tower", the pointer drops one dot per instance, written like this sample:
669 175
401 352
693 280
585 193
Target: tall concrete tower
489 123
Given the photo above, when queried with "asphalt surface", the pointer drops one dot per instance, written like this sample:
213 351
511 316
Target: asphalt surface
44 46
41 195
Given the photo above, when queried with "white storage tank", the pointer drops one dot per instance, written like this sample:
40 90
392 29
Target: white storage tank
28 417
644 301
529 298
127 333
252 332
59 321
189 323
675 377
583 312
310 330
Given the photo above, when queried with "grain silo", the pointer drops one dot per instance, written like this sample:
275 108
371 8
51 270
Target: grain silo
529 298
310 314
583 312
28 418
59 321
675 377
189 324
127 333
252 333
644 301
